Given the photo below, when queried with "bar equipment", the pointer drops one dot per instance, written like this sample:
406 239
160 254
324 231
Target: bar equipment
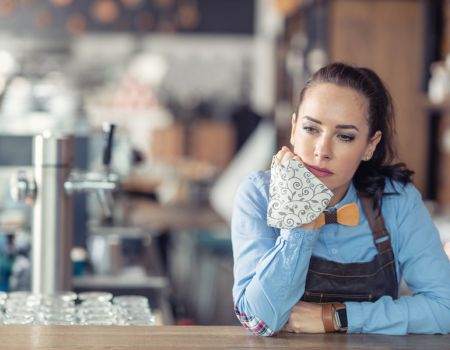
49 190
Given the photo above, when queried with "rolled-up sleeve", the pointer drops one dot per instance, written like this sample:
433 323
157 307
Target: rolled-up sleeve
270 265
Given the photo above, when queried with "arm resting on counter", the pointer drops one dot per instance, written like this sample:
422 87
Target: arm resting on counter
270 266
426 269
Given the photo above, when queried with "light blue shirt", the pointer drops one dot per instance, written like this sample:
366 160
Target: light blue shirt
270 265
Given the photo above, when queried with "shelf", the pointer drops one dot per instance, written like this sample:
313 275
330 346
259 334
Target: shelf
122 281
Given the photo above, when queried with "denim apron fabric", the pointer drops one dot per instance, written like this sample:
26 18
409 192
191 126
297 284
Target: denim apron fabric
329 281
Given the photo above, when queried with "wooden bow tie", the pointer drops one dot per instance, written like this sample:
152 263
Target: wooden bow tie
347 215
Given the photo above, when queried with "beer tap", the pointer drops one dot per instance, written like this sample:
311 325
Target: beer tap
49 190
102 183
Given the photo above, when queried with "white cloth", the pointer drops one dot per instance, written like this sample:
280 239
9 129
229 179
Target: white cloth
297 197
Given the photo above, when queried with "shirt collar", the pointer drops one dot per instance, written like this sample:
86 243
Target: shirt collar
350 196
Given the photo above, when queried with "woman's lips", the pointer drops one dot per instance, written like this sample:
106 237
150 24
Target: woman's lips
319 172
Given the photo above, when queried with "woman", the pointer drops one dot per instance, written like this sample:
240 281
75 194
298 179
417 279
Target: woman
336 277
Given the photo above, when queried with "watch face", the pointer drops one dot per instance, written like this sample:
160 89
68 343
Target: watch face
342 318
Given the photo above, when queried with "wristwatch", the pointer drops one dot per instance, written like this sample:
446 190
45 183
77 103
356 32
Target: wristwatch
334 317
340 317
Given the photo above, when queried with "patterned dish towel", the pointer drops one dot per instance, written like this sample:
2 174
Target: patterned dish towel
297 197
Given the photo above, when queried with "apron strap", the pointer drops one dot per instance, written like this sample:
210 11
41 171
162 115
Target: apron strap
381 236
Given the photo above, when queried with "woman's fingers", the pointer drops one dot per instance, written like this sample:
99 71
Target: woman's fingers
285 154
305 318
297 158
279 155
287 328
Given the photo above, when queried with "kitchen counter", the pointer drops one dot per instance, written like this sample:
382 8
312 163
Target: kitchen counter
194 337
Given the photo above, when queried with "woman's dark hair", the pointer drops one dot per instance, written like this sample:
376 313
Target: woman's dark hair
370 176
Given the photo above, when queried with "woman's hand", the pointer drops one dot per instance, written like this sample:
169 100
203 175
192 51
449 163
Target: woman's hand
305 318
285 154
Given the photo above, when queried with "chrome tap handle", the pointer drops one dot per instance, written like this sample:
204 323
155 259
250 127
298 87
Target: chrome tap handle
106 203
23 188
108 130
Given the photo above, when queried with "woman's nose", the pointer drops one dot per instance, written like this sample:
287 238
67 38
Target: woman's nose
323 149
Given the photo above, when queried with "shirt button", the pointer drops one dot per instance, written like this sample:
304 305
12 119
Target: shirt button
297 235
334 251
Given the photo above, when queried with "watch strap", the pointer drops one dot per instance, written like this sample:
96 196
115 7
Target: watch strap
328 311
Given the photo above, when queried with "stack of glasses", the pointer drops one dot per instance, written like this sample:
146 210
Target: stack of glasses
58 309
96 309
68 308
133 310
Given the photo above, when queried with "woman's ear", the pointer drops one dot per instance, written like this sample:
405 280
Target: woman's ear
374 141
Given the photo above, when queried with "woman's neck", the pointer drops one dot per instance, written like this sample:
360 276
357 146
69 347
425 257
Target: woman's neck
339 194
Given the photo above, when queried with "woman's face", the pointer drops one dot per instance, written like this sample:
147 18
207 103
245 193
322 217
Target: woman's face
330 134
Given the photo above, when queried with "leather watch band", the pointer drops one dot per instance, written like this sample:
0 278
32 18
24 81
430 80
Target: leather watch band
327 318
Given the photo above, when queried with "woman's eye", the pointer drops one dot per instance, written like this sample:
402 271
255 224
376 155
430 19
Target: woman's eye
309 129
346 138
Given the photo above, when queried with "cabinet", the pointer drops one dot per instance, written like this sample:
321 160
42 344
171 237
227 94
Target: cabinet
388 36
371 34
440 115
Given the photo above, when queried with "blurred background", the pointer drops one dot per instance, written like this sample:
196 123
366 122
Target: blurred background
201 93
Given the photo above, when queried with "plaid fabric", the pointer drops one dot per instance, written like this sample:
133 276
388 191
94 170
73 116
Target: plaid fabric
253 324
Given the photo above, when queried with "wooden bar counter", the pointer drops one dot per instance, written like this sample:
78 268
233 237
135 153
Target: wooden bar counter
198 337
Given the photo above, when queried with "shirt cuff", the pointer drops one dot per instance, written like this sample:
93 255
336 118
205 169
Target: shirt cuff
297 235
355 316
253 324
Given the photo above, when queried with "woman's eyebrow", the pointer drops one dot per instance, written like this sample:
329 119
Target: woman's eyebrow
346 126
312 119
339 126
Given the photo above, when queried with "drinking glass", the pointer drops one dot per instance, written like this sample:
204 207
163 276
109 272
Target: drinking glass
133 310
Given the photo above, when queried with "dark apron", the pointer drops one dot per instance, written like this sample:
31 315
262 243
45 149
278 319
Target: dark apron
329 281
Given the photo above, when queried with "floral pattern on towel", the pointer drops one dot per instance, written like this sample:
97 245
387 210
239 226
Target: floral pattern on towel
297 197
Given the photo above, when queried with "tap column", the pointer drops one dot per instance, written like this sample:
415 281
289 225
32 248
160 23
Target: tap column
53 158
